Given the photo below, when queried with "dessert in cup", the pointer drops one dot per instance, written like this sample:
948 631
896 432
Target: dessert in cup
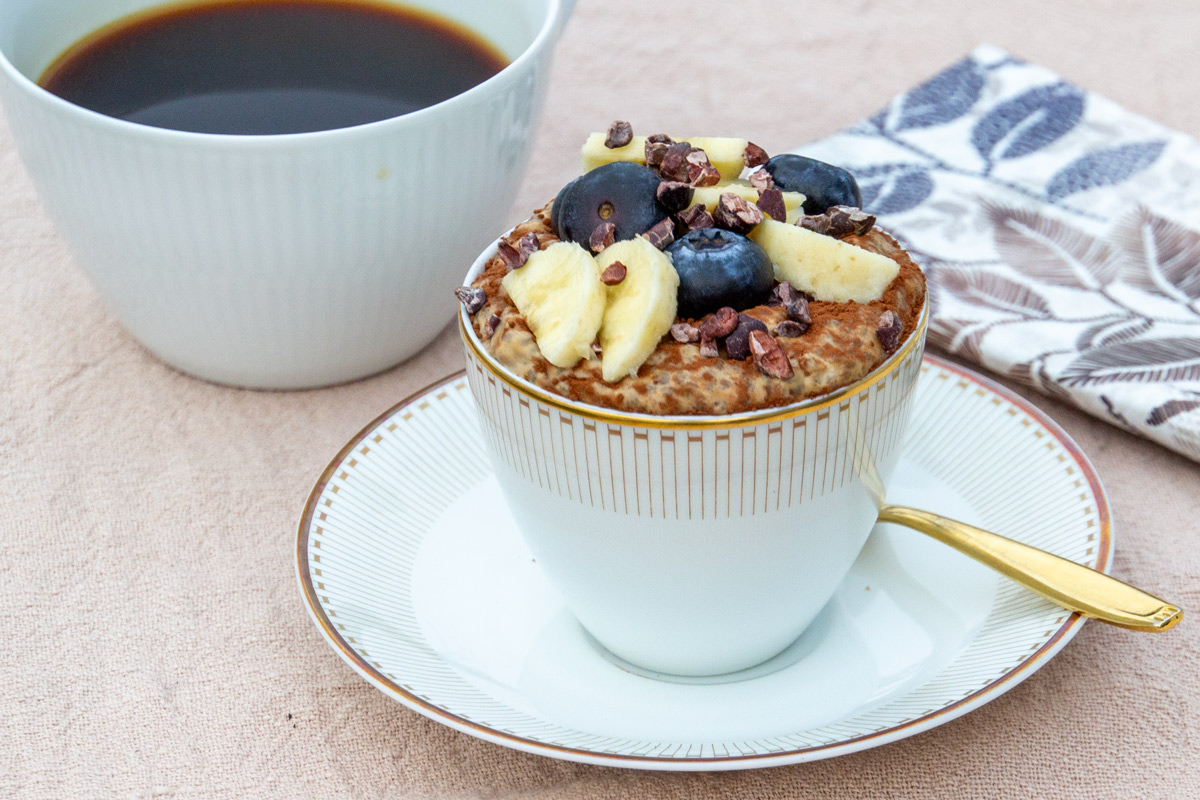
694 370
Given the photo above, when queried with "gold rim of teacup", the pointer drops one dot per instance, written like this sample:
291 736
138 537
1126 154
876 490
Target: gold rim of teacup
692 423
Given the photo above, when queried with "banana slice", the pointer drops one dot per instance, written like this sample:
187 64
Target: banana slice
560 295
595 154
641 308
827 268
725 154
709 195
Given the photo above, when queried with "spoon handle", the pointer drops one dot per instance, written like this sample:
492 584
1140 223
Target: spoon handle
1064 582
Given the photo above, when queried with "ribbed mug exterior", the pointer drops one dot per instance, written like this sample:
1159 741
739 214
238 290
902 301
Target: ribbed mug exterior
282 261
694 545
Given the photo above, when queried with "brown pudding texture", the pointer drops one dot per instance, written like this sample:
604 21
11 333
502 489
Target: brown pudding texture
840 347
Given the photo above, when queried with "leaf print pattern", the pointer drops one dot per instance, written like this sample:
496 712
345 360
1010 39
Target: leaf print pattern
1105 333
1173 408
893 189
941 331
1164 253
1104 168
1022 373
943 98
1028 202
1050 250
994 291
1117 416
1028 122
1047 384
1169 359
1035 374
961 337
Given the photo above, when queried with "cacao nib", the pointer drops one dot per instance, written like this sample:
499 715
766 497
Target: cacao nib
789 329
662 234
513 258
817 223
684 333
613 274
888 330
797 311
604 235
489 327
720 324
656 147
761 179
769 356
620 133
529 244
696 217
847 220
674 166
783 295
771 203
839 222
701 172
472 299
733 213
674 195
737 344
754 156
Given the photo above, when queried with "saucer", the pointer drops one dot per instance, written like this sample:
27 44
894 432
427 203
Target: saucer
414 572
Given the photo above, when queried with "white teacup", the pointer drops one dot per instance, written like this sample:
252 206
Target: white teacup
279 261
694 545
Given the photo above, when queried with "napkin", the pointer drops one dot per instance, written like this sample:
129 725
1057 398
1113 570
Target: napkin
1060 234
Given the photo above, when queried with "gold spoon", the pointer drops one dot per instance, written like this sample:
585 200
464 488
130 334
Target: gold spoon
1060 581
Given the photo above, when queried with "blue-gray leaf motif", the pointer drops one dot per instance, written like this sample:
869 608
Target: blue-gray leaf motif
1104 168
1172 408
1028 122
893 188
944 97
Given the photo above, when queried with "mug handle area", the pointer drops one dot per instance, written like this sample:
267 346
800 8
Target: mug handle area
565 9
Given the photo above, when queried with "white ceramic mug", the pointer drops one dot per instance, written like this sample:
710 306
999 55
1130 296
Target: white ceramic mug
279 261
694 545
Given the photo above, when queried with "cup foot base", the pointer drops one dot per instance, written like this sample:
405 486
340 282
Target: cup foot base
804 644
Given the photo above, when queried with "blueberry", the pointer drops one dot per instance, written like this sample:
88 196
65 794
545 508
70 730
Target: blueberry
823 185
720 268
556 209
622 193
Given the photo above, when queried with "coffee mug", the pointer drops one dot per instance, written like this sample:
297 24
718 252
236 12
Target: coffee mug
694 545
283 261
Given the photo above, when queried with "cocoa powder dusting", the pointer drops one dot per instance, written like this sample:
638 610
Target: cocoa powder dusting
839 347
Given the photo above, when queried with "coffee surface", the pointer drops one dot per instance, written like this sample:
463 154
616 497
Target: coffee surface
271 66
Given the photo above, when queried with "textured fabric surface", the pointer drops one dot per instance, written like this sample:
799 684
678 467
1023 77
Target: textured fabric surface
157 647
1060 232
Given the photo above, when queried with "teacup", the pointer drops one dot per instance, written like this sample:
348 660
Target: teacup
278 261
694 545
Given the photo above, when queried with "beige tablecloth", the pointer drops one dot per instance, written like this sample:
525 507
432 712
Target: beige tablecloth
155 645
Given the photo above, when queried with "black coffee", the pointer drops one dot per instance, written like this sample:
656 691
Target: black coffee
271 66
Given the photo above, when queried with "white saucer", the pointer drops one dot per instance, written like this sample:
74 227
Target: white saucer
414 572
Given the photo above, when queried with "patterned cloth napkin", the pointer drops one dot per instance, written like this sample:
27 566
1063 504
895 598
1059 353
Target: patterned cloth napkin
1060 234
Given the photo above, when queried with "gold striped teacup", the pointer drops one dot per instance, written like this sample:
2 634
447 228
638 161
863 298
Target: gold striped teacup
691 545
